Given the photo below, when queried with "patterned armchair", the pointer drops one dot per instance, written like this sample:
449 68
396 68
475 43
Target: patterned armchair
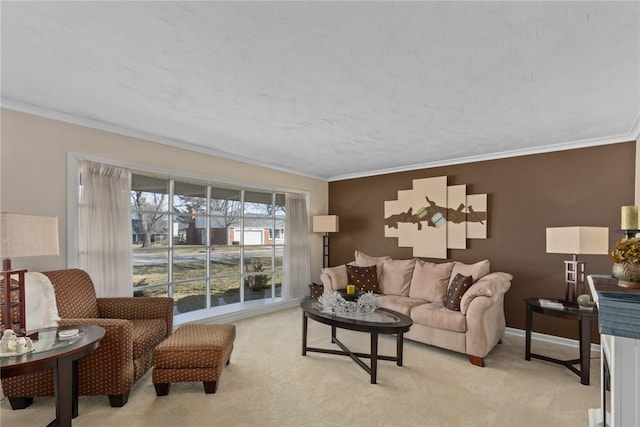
134 327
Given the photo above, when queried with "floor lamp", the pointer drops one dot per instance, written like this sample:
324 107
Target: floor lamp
325 224
21 236
576 241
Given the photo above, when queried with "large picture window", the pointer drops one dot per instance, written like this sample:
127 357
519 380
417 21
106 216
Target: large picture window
205 245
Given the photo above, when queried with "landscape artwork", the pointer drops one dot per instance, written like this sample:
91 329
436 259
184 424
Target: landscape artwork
433 217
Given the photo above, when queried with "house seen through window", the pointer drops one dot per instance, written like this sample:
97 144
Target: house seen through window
205 245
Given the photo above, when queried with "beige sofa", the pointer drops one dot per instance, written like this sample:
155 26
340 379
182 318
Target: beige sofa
417 288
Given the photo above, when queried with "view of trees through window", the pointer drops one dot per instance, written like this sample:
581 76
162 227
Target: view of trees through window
205 245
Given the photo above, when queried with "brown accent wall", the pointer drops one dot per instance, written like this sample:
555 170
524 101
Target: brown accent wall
526 194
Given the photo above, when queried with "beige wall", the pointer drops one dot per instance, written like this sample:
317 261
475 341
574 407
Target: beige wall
33 172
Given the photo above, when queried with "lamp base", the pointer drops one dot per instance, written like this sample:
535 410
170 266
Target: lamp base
325 250
574 279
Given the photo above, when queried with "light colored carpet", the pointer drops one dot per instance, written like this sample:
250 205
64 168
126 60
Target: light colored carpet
269 383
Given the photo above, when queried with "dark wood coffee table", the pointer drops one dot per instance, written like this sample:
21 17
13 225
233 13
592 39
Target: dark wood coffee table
62 356
382 321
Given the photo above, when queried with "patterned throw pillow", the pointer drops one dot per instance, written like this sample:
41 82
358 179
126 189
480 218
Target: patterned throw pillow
316 290
458 287
364 278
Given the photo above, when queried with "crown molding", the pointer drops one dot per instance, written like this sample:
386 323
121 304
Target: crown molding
494 156
10 104
634 133
22 107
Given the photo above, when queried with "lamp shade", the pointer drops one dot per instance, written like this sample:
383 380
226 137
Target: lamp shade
578 240
325 223
28 235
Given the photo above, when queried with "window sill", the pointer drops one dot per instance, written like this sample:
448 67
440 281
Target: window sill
232 312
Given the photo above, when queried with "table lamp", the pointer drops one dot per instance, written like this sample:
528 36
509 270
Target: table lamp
22 236
325 224
576 241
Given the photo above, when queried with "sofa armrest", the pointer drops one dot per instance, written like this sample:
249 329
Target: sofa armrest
493 286
326 282
138 308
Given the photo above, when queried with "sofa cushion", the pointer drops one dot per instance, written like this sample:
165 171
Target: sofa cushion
430 280
338 276
437 316
364 260
476 270
400 304
456 290
364 278
396 276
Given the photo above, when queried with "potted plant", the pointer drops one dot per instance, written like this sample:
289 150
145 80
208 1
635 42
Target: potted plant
626 257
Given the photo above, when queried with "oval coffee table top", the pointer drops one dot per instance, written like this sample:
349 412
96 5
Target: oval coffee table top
382 320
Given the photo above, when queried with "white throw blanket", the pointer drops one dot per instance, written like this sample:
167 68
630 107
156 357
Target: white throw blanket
40 301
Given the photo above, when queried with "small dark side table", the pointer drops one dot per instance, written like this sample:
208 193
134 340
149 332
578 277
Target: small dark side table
62 356
569 310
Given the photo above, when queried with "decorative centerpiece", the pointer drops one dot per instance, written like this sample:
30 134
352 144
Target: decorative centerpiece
350 296
334 303
626 257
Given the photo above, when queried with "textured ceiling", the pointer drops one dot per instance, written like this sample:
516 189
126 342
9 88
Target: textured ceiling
333 89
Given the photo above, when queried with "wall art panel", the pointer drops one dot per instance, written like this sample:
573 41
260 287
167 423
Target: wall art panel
432 217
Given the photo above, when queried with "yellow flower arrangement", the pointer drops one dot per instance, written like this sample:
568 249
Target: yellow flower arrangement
626 250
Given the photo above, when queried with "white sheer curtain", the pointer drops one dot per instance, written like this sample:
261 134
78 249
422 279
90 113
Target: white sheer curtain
296 250
105 228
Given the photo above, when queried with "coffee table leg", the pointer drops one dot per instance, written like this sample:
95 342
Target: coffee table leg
304 333
374 357
63 390
333 334
399 347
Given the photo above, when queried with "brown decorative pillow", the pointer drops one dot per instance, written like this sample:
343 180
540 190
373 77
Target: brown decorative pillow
316 290
364 278
458 287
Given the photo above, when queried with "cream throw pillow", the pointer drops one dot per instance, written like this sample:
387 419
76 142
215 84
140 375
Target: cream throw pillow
477 270
364 260
338 276
430 280
396 276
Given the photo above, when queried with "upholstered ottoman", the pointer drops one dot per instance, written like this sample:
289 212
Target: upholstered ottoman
194 352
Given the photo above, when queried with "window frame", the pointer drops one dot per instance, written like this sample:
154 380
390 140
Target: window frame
73 184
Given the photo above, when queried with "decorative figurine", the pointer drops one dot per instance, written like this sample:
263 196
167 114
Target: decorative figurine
8 341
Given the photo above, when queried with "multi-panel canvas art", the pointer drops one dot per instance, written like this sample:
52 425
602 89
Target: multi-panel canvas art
433 217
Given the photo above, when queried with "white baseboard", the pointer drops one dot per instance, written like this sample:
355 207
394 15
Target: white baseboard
550 338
